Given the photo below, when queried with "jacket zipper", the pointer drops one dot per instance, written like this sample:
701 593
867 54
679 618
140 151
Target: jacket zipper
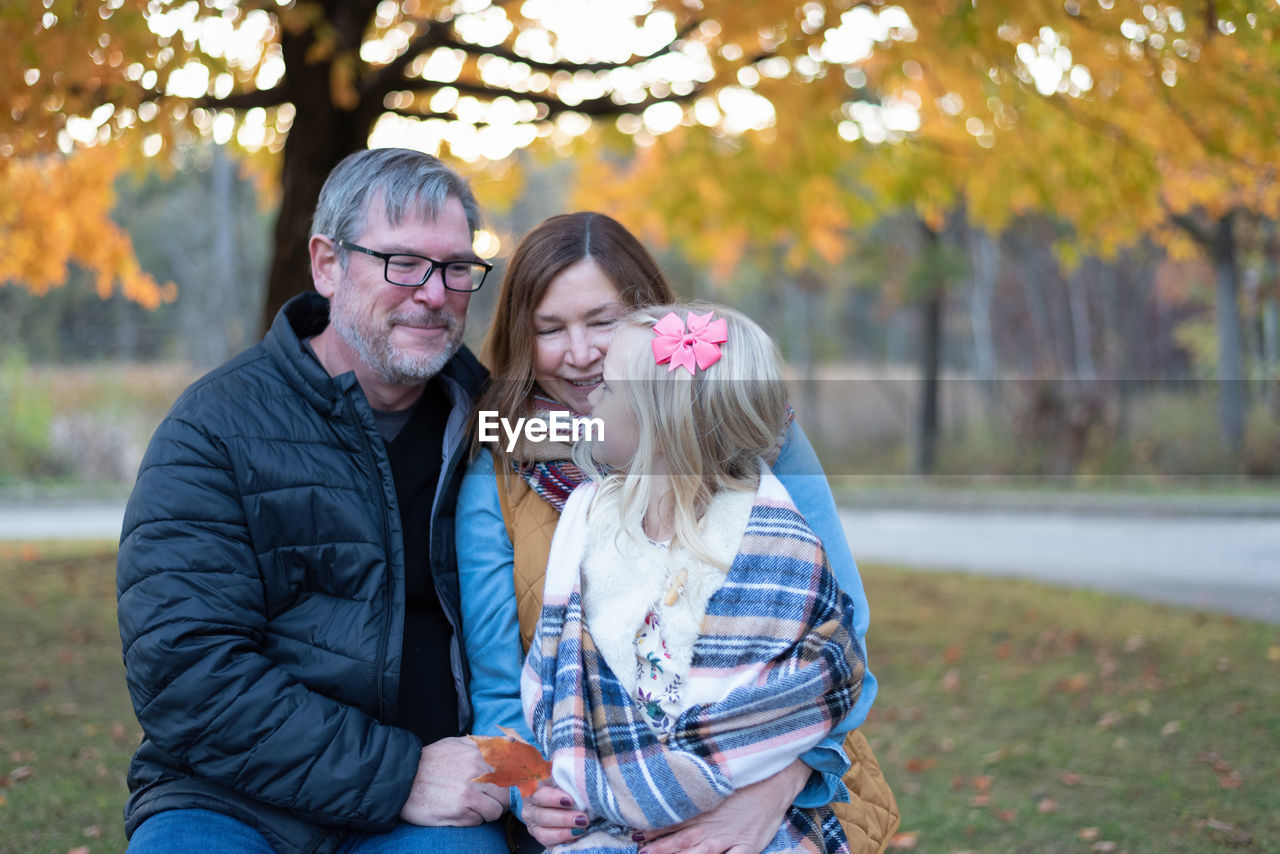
388 601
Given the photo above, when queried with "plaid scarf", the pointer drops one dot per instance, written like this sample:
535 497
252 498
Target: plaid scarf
776 665
548 469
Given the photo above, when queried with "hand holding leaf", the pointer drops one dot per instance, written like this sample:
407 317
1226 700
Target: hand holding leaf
514 761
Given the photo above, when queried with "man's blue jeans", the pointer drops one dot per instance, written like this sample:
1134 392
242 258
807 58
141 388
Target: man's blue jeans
208 832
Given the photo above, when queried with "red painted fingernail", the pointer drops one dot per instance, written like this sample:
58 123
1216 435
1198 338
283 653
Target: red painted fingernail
637 837
580 821
565 802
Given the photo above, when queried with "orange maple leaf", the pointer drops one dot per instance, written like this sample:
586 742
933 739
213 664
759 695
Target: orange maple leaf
514 761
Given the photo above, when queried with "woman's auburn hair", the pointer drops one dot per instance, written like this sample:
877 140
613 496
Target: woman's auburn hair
543 254
711 428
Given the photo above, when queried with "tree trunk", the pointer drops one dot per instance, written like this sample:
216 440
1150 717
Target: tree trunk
322 134
797 301
1231 398
930 369
1044 344
314 146
220 290
1269 297
984 254
1081 327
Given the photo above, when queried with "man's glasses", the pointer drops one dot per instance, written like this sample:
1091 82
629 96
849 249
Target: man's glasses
412 271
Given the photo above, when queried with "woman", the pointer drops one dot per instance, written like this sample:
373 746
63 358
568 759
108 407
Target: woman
569 282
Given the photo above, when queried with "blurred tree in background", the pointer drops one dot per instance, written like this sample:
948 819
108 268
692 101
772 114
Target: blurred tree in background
941 152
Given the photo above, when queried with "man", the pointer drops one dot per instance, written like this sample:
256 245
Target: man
288 594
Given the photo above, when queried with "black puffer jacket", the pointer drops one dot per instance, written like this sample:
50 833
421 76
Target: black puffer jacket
261 596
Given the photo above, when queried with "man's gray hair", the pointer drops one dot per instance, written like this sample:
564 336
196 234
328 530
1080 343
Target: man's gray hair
407 182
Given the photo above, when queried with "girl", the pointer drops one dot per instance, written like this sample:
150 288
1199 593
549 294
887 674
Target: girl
692 639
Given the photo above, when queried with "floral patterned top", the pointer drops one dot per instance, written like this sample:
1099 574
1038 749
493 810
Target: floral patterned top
657 684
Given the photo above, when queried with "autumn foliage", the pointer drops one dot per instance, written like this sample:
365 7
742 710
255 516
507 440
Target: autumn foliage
1116 117
55 212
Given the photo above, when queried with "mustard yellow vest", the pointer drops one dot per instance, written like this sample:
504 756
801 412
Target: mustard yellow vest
869 818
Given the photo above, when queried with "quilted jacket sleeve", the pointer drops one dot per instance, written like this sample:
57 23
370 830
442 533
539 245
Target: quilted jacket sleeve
192 623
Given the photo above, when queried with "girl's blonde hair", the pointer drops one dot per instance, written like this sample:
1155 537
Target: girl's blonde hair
710 429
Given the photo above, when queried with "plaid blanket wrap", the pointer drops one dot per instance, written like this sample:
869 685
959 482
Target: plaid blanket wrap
775 666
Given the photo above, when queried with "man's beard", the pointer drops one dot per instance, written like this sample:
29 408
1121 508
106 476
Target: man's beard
372 340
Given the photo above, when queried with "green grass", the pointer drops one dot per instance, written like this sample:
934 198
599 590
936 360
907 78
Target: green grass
1144 726
65 717
1018 718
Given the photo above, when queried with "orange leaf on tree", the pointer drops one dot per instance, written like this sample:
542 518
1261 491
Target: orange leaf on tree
514 761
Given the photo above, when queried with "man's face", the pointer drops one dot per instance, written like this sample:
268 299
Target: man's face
403 335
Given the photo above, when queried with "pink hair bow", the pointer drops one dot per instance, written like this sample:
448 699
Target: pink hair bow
698 345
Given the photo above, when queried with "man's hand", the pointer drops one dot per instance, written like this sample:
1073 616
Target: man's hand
444 793
744 823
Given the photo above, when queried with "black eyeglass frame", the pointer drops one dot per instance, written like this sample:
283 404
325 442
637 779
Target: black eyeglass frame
386 257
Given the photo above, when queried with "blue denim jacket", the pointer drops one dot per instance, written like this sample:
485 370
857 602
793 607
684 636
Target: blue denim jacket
491 631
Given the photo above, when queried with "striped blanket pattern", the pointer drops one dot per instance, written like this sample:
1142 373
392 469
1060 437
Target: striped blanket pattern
777 664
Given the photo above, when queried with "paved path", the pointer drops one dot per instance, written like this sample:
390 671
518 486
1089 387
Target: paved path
1215 563
61 520
1219 563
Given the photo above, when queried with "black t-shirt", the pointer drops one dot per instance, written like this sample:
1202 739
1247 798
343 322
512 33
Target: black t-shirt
428 696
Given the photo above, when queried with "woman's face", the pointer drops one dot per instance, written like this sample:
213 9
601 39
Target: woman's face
572 328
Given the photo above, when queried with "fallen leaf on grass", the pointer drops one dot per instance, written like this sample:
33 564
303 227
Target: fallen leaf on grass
1070 778
1171 727
1103 845
514 761
983 783
93 831
953 653
1234 835
83 849
1273 654
951 681
1007 816
1109 719
1075 684
22 772
980 801
1230 781
1088 833
904 841
915 766
1047 805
